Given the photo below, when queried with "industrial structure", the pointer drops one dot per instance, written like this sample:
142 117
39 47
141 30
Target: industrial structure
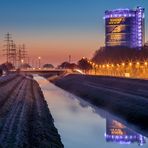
125 27
14 55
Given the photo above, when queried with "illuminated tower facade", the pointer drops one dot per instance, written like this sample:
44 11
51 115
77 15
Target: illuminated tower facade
125 27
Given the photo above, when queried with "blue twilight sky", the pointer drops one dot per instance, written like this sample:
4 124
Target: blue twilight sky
65 27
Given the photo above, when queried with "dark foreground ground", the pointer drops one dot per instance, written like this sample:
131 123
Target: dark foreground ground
126 98
25 120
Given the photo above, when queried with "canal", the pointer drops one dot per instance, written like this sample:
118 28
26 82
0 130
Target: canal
82 125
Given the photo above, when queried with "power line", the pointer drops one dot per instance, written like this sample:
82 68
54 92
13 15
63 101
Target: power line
7 46
14 55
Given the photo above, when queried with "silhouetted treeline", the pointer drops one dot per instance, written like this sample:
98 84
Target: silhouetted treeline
5 67
67 65
120 54
84 65
25 66
48 66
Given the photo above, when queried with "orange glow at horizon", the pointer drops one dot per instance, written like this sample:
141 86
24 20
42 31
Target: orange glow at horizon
55 47
57 50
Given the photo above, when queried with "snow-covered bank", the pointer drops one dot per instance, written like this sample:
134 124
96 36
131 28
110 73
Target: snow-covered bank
25 120
126 98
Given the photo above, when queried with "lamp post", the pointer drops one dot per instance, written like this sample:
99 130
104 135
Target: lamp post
22 62
39 59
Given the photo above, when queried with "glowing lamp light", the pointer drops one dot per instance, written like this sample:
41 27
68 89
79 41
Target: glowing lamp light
22 61
130 64
96 66
138 63
112 65
146 63
123 64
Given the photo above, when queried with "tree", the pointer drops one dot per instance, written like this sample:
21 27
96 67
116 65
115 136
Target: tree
119 54
73 66
7 67
67 65
84 65
48 66
1 70
25 66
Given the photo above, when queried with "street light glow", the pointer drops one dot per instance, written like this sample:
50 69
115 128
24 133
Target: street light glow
130 64
120 69
138 63
22 61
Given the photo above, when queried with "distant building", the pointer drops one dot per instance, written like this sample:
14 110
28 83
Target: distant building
125 27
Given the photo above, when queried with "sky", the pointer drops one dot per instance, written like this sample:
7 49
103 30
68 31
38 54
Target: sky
55 29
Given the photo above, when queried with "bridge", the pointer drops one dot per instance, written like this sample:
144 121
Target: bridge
42 71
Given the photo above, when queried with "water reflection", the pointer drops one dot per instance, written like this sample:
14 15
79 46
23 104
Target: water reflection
81 125
117 132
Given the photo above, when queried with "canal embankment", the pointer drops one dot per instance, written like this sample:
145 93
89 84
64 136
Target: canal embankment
25 120
126 98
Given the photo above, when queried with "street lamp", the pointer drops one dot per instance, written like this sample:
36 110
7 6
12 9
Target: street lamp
22 61
39 58
138 63
130 64
123 64
145 63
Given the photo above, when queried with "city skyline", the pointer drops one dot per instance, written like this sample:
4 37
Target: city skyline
54 29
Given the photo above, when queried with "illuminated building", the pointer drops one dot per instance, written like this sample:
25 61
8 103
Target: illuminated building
117 132
125 27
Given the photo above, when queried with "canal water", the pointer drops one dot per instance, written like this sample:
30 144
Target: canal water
82 125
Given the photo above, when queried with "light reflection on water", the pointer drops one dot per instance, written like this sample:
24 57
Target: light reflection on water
83 126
